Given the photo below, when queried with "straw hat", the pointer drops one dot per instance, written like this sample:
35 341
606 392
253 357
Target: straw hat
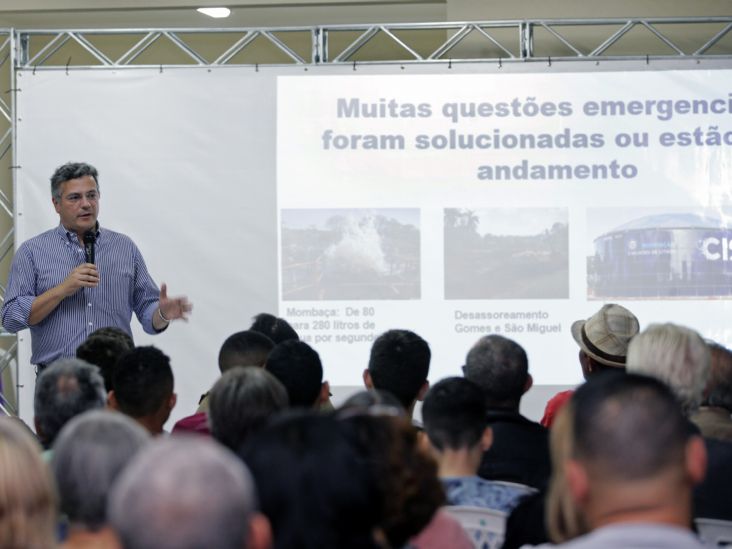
606 334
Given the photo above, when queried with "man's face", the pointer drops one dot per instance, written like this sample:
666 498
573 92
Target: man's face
78 206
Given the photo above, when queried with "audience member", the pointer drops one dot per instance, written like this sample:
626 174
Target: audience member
88 456
520 449
143 387
316 488
247 348
374 402
242 401
65 389
27 494
553 515
454 420
103 351
113 331
399 363
603 341
634 464
677 356
680 357
297 366
275 328
713 417
187 493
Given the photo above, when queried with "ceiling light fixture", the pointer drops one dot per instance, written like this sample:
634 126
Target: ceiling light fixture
218 13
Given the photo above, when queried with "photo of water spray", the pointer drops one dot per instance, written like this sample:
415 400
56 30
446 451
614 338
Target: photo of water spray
506 253
337 254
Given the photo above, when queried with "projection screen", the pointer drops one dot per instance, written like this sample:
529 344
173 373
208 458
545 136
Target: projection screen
455 203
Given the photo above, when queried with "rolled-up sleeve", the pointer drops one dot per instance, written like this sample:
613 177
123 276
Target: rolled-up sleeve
21 291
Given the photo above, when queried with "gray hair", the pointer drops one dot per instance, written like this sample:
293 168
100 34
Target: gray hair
500 367
183 493
69 171
88 456
677 356
65 389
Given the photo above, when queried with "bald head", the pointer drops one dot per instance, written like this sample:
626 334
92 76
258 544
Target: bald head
183 493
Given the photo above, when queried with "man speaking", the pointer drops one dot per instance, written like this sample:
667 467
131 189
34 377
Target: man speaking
68 281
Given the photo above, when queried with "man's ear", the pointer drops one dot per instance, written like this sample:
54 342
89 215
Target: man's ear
324 393
696 459
260 532
423 390
37 425
529 383
367 381
486 440
56 205
112 401
577 480
172 401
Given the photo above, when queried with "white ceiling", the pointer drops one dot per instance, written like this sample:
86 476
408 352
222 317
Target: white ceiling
277 13
181 13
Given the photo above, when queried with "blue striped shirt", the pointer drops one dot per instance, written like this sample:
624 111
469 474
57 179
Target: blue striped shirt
44 261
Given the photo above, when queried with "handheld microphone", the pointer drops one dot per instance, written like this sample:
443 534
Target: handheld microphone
90 238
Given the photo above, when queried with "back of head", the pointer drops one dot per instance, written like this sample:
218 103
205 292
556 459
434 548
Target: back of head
143 381
453 413
405 475
372 402
103 351
400 363
297 366
275 328
628 428
183 493
27 496
314 485
241 403
247 348
88 456
113 331
720 380
500 368
676 355
65 389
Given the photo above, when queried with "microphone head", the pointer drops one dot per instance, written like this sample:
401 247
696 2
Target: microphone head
90 237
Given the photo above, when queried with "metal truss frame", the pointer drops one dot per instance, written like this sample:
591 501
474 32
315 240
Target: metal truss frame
510 41
7 138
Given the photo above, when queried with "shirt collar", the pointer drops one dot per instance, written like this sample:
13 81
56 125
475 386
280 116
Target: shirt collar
69 235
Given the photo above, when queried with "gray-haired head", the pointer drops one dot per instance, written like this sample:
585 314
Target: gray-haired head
677 356
241 403
500 367
69 171
183 493
88 456
65 389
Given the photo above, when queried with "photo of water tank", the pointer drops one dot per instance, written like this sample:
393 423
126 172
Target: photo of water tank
670 255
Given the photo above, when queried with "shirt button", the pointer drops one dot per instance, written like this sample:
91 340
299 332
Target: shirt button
90 324
89 304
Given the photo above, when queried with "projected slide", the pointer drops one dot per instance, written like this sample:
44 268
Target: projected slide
461 205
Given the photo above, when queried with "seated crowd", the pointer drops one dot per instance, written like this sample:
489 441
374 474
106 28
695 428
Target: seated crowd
629 459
